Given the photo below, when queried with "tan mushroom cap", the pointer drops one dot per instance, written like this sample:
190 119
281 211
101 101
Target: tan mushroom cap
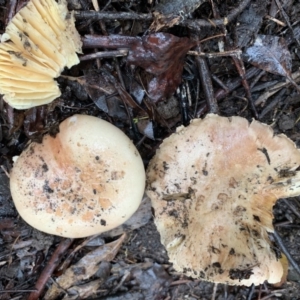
89 179
213 185
39 42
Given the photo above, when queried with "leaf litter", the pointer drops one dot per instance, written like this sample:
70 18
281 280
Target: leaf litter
85 268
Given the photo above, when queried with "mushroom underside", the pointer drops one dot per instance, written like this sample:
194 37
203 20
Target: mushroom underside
39 42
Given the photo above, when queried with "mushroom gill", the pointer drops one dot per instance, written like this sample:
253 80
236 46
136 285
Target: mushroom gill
39 42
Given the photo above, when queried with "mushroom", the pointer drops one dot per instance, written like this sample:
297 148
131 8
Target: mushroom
38 43
89 179
213 185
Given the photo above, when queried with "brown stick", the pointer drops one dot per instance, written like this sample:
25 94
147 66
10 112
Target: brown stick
50 267
11 11
104 54
197 24
221 94
108 42
109 16
241 69
207 84
282 247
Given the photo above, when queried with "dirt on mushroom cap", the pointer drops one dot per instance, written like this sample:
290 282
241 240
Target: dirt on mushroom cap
213 185
87 180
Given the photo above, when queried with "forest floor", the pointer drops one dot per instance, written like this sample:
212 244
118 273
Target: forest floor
183 59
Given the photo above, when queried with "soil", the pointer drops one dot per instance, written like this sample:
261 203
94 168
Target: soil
130 262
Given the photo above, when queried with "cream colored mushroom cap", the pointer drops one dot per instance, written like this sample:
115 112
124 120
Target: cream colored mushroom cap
213 185
38 43
89 179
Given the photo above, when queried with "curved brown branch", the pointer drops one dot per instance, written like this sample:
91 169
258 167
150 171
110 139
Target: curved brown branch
197 24
52 264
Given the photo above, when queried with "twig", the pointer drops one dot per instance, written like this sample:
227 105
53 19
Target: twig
287 20
5 171
184 107
263 86
213 296
225 289
124 277
106 5
110 16
251 292
17 291
105 54
280 113
95 5
197 24
219 82
207 84
292 207
180 281
272 90
275 20
221 94
108 42
102 26
254 82
11 11
91 28
197 98
278 98
286 252
232 53
124 95
50 267
283 223
118 69
241 69
211 38
126 98
273 293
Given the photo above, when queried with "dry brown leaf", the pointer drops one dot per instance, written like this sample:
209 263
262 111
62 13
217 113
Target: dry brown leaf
83 291
160 54
84 268
271 54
